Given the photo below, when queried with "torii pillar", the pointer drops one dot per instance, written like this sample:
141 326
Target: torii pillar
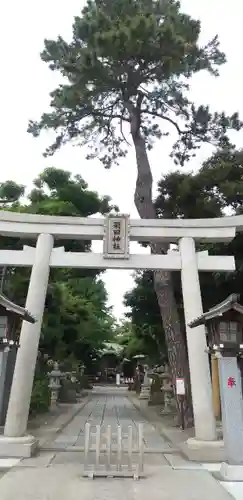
15 442
204 419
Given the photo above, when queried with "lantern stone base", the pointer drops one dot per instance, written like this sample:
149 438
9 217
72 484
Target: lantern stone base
18 447
230 472
198 450
145 392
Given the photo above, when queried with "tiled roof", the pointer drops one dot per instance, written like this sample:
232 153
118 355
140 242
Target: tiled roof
16 309
228 304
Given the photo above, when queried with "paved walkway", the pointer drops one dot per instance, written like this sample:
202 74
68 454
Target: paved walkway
56 473
108 407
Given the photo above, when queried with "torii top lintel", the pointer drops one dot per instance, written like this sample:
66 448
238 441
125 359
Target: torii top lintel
171 230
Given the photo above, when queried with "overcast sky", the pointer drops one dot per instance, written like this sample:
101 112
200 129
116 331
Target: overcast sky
26 82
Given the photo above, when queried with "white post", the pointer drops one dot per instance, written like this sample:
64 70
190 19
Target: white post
204 420
19 402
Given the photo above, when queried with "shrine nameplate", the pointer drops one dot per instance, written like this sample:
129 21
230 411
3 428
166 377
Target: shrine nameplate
116 237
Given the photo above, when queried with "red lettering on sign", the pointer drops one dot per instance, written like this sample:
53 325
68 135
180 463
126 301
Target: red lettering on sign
231 382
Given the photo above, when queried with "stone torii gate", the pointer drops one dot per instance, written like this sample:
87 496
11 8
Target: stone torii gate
116 233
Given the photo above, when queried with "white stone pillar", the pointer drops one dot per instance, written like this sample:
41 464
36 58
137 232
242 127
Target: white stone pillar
204 420
19 402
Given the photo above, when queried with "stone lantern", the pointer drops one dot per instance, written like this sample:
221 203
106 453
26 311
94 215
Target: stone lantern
54 384
10 316
224 324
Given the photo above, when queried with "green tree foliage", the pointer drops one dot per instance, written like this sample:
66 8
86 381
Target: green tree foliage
214 191
77 320
147 332
128 69
10 192
131 58
144 314
131 343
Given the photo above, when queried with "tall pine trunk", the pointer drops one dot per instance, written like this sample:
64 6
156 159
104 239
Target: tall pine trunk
177 352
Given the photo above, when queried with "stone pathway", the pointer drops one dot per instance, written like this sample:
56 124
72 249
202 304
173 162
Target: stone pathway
56 473
108 407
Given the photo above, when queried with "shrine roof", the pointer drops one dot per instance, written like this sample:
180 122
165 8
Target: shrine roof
229 304
16 310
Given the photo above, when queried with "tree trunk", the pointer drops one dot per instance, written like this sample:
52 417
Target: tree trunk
3 272
177 353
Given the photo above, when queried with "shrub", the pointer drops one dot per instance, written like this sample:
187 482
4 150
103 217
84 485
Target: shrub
40 398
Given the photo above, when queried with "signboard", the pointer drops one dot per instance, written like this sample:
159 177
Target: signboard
180 387
116 237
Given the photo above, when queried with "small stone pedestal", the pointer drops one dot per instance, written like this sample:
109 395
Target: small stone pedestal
230 472
145 392
18 447
198 450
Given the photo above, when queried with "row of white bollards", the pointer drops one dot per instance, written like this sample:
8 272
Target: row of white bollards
110 452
